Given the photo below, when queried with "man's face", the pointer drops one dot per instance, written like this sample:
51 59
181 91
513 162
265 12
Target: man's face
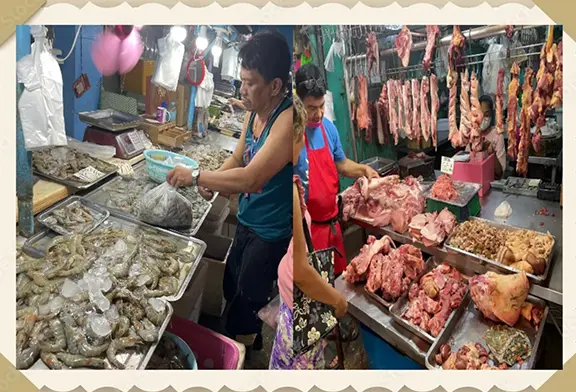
314 108
255 92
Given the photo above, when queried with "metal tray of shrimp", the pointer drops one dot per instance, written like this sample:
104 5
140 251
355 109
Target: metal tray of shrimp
470 325
101 196
98 214
497 266
400 306
36 246
132 359
467 191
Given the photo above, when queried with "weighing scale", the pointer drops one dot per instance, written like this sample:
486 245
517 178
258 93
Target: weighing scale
116 129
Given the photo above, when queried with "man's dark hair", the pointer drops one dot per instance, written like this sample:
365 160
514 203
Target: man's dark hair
267 53
309 82
488 99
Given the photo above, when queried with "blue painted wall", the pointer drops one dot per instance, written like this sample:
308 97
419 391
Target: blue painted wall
79 62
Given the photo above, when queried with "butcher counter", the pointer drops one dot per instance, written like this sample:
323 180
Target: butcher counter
377 319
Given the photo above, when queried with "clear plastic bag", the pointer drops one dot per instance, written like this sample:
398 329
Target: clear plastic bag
169 64
164 206
336 49
269 314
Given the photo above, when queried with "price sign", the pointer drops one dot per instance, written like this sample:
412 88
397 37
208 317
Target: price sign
447 165
89 174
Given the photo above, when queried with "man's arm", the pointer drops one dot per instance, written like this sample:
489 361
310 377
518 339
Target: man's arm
349 168
266 163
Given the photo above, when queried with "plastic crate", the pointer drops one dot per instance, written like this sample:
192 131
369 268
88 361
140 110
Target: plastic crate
212 350
382 356
477 172
473 208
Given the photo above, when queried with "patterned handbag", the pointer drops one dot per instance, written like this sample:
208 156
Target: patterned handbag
313 320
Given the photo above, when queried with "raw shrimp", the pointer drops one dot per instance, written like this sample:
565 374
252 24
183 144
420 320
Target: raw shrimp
122 327
59 343
88 350
77 361
117 345
52 361
146 330
27 357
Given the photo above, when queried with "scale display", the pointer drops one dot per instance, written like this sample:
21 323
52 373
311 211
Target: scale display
128 144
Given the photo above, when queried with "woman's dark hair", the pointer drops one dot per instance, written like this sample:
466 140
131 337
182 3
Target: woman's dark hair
488 99
269 54
309 82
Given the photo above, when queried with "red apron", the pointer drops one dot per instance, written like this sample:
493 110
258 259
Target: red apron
323 185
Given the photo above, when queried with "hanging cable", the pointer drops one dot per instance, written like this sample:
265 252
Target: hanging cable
61 61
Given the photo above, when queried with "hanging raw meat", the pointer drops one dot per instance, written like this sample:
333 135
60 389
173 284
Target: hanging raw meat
476 116
500 101
425 112
509 31
392 109
362 114
454 54
407 101
416 109
401 113
556 101
513 110
524 145
465 113
383 114
453 132
432 31
372 54
435 106
403 44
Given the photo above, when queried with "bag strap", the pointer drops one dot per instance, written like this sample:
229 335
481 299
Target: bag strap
308 237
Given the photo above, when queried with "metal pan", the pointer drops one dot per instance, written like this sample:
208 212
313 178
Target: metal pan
36 245
467 191
72 183
110 119
398 309
97 212
537 279
470 326
133 359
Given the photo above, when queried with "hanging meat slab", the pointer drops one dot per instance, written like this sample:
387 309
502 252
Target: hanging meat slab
465 113
454 53
432 31
425 112
556 101
435 106
509 31
372 112
362 114
372 54
453 132
524 145
500 101
403 44
407 101
416 109
512 108
476 115
401 112
383 114
392 109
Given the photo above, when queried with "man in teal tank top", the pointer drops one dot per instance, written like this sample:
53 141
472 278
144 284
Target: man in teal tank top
260 171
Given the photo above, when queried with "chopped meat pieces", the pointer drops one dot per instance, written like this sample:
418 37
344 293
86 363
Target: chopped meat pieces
471 356
444 189
403 44
432 228
480 238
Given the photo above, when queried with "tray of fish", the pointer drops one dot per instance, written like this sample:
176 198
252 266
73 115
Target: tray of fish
466 192
75 215
67 166
155 262
471 327
547 244
424 298
79 342
122 195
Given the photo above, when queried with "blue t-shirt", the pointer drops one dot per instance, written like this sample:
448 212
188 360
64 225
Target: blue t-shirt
316 141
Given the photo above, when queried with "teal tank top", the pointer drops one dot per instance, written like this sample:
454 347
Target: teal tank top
267 212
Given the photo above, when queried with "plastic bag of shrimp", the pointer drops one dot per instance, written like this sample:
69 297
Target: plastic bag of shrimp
163 206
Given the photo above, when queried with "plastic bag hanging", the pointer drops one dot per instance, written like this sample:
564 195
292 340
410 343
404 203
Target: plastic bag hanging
40 106
169 64
336 49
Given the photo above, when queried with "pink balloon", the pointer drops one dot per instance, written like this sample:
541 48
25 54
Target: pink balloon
105 53
131 49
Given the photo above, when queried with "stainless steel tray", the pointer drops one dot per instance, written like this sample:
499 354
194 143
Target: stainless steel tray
133 359
37 244
470 326
397 310
467 191
537 279
110 119
100 197
99 212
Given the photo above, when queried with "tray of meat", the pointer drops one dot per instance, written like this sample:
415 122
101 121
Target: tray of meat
432 300
473 342
448 191
504 248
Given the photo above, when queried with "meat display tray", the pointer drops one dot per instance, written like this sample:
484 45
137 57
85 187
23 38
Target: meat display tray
537 279
402 303
134 359
96 210
36 245
470 326
387 304
467 191
110 120
100 196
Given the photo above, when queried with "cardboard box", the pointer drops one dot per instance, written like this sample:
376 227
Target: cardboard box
153 128
173 137
157 95
135 81
182 104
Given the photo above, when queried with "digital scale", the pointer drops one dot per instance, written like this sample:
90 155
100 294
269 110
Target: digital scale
112 128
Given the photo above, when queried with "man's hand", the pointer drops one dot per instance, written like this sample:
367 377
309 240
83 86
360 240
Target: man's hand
370 173
206 193
489 148
179 177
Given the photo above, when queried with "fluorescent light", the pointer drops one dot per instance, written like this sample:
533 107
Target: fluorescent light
202 41
217 50
178 33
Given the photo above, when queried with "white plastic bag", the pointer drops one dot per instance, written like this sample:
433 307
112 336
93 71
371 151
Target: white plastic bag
169 64
503 211
92 149
41 105
270 313
329 106
336 49
205 90
164 206
493 61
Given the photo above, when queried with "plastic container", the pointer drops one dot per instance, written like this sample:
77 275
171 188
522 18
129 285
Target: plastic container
382 356
212 350
157 169
191 359
477 172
